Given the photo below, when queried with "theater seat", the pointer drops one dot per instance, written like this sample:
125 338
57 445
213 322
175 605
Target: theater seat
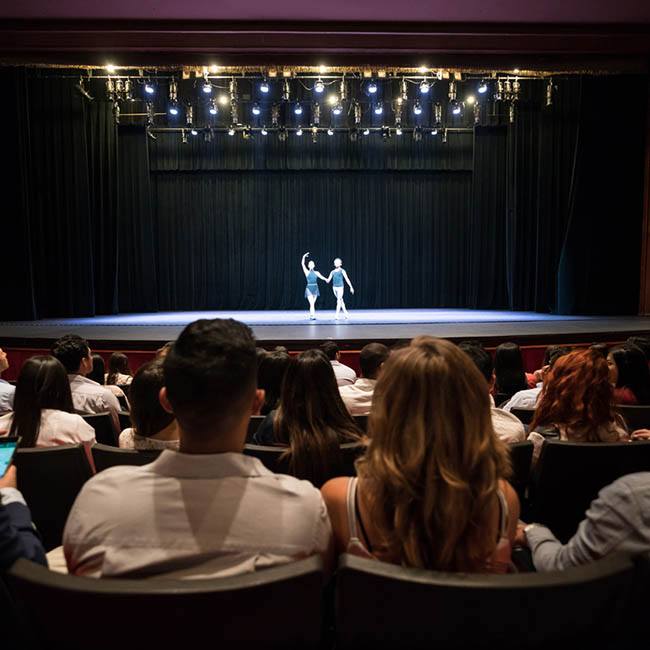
50 479
103 425
381 605
253 426
636 417
525 416
105 456
521 456
278 607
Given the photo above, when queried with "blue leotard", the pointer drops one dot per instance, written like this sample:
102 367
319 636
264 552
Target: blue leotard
337 277
312 285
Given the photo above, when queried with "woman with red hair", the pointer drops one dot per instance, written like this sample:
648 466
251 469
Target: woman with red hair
577 403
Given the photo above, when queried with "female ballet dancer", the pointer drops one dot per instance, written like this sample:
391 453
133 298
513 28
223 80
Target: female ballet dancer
339 274
311 291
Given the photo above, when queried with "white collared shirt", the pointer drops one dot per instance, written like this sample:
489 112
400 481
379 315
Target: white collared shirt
89 397
7 392
507 427
358 396
193 516
524 399
58 428
344 374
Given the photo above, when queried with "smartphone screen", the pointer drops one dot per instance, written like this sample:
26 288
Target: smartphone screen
7 449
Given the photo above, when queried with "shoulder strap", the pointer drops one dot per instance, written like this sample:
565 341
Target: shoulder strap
351 502
503 519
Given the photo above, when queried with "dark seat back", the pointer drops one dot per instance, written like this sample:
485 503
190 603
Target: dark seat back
569 476
253 426
525 416
521 456
105 456
124 403
636 417
125 420
103 425
384 605
50 479
232 612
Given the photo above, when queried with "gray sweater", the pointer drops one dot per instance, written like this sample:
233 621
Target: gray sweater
618 520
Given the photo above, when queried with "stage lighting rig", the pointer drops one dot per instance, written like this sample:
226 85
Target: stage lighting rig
417 108
482 87
357 112
149 88
444 136
319 86
256 110
549 92
477 113
425 86
452 91
405 93
398 130
314 134
330 131
299 131
116 112
207 86
372 87
82 90
282 134
189 115
231 130
286 91
275 115
379 109
366 131
264 86
354 135
264 131
183 136
437 113
337 109
385 133
297 109
511 113
417 134
213 108
315 114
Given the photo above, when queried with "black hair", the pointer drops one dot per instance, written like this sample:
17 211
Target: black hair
42 384
481 358
71 350
555 351
641 342
330 349
98 372
509 369
633 372
601 348
210 372
475 343
371 358
147 415
118 364
270 374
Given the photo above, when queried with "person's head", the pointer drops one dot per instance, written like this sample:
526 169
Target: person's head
482 360
628 368
98 369
372 358
338 263
554 351
576 395
601 348
42 384
211 381
162 352
4 361
312 265
509 369
434 462
270 374
281 348
74 353
148 417
476 343
643 343
118 364
311 416
331 350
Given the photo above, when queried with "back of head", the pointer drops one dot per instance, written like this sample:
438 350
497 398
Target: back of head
70 350
97 373
42 384
312 418
554 351
643 343
371 358
433 464
577 395
481 358
633 372
601 348
118 364
162 351
147 415
211 376
330 349
509 369
270 374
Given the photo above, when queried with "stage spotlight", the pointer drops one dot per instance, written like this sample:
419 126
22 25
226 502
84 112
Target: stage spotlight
434 131
337 110
299 131
372 87
264 86
256 109
149 88
213 110
330 131
417 109
425 86
332 100
456 108
398 130
264 131
173 110
423 69
379 109
223 99
298 109
207 87
183 136
483 87
193 131
319 86
231 131
366 131
470 99
110 68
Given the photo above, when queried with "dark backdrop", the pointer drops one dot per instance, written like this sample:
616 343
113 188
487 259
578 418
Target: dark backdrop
544 214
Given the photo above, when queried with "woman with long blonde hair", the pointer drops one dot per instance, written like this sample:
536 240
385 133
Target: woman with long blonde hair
431 490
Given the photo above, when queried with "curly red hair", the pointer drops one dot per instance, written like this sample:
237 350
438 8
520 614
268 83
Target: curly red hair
577 395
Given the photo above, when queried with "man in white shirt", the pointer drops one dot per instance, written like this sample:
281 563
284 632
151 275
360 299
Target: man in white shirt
358 396
344 374
7 391
88 397
207 510
507 427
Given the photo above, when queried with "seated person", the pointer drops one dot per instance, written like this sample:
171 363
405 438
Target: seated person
344 374
577 403
506 426
6 389
311 419
629 374
88 396
43 413
616 522
119 373
431 491
357 397
207 511
153 427
271 369
98 375
509 371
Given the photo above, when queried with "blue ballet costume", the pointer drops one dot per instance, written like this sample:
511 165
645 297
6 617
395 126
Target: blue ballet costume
337 278
312 285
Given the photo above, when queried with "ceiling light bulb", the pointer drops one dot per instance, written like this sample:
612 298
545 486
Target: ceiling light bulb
417 109
256 109
299 131
398 131
173 110
372 87
379 109
231 131
338 109
298 109
366 132
482 88
330 131
424 86
110 68
264 131
207 87
264 86
149 89
319 86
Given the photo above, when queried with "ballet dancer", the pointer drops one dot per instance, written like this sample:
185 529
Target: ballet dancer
338 274
311 290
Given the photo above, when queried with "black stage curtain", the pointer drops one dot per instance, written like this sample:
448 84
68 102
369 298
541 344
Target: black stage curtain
543 214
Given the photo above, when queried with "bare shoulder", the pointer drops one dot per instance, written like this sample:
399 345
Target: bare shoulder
335 490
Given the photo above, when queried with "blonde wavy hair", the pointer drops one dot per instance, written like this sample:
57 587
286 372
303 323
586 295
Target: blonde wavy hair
430 475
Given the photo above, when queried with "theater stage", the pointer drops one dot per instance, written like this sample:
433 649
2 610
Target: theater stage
147 331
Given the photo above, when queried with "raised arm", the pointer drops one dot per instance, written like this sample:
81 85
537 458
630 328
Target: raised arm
347 279
305 270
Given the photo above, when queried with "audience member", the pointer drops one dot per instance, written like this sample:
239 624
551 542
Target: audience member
431 491
629 374
97 374
616 522
43 414
162 352
527 399
643 343
344 374
88 396
311 419
357 397
270 373
506 426
208 511
6 389
153 427
119 373
601 348
18 537
577 402
509 370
